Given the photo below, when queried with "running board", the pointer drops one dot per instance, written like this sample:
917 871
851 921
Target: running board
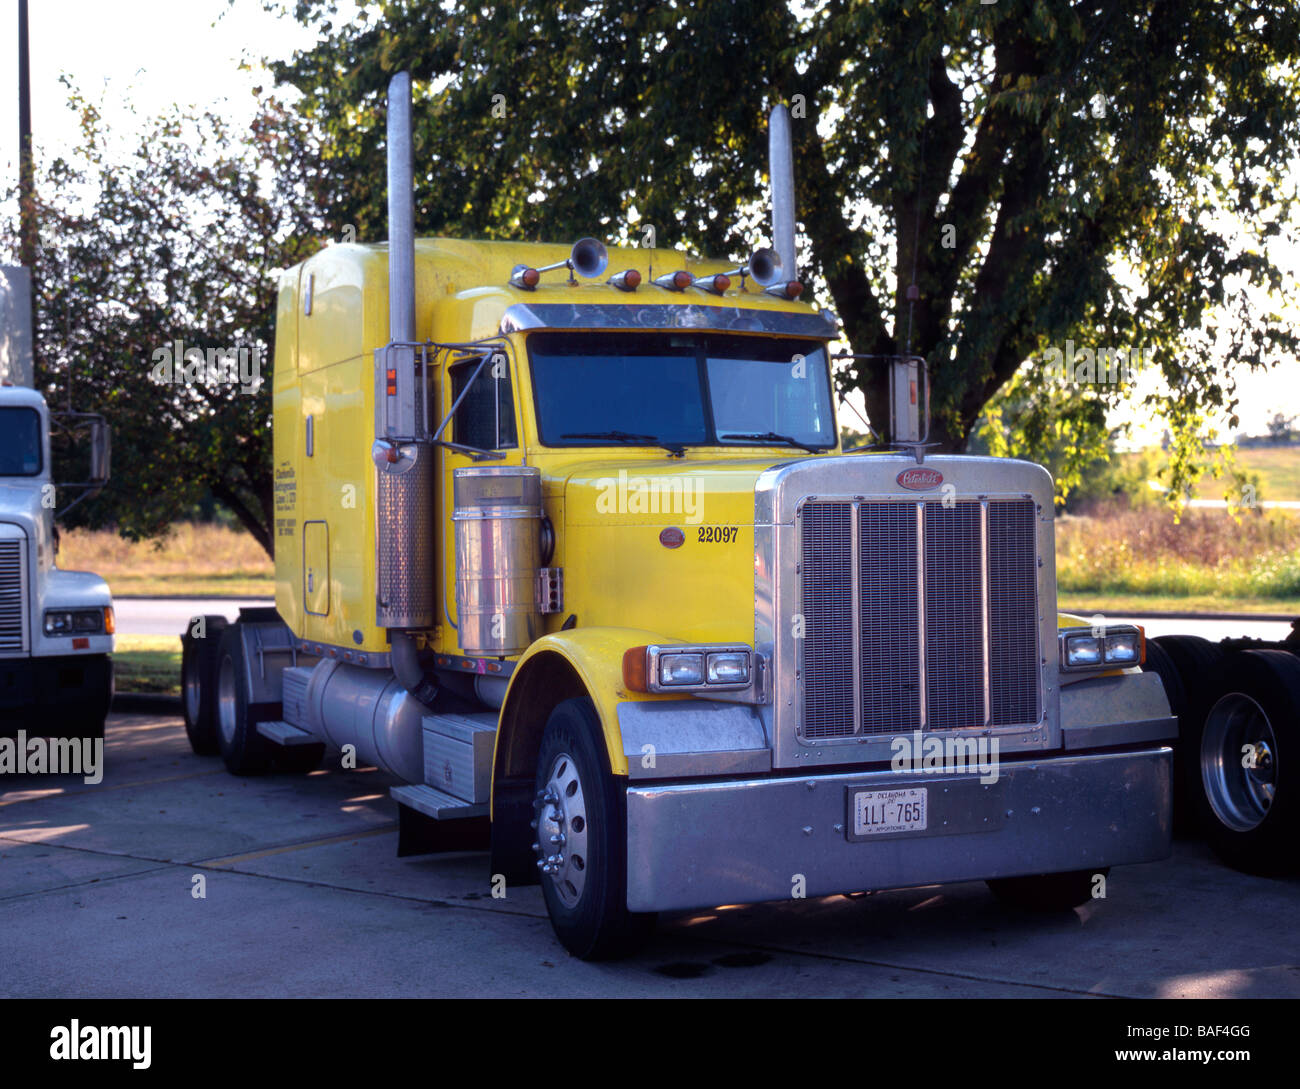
436 804
284 734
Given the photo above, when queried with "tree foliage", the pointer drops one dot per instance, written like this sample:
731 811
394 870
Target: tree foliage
175 240
1104 172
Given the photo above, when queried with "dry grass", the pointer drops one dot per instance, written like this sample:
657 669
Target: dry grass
1119 552
205 560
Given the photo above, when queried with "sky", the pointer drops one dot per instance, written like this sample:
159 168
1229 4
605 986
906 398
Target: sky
153 53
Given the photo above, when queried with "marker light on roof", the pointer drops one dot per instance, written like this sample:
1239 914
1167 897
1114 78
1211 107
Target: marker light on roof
628 280
525 277
715 284
675 281
791 290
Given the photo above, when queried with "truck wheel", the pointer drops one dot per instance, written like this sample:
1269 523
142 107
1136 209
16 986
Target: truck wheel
245 751
199 685
582 839
1049 892
1250 763
1194 660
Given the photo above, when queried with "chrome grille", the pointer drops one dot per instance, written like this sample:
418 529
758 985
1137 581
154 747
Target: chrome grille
918 615
12 610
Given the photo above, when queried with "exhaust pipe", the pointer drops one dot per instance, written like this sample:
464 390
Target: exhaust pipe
404 461
781 171
401 212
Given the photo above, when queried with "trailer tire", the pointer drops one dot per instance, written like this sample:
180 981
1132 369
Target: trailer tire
1194 659
578 798
199 685
245 751
1049 892
1162 665
1251 816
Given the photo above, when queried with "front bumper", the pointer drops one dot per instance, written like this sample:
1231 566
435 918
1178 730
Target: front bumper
32 685
700 844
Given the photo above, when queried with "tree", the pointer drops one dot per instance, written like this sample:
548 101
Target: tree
146 261
1047 174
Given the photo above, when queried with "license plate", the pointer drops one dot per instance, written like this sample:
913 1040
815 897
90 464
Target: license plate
876 812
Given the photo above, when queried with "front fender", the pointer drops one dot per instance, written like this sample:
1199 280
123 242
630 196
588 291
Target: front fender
595 656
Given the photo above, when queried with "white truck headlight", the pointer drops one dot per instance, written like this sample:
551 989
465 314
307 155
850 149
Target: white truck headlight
74 621
1113 647
727 667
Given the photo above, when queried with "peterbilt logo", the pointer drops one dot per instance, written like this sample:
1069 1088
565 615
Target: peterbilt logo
919 480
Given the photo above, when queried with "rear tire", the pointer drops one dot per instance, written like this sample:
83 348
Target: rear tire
1050 892
199 684
245 751
1251 815
584 874
1194 661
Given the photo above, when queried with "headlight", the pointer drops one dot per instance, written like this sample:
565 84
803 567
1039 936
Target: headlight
727 667
1118 646
74 622
683 668
678 669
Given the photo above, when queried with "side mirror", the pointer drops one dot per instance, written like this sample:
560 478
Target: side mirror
101 450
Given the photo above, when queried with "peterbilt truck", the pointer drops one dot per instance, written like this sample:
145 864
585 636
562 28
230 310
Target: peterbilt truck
56 626
567 543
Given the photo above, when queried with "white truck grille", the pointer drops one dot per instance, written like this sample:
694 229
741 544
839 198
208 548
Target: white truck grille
13 600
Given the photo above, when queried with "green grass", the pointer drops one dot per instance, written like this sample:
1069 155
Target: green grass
1278 468
1133 604
148 663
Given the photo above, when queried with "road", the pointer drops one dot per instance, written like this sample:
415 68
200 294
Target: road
168 616
304 896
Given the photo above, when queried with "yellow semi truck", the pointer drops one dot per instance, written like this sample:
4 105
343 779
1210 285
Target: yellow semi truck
567 543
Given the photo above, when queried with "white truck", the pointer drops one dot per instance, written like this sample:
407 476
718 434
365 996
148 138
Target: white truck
56 627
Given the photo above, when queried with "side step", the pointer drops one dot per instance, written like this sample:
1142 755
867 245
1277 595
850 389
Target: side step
436 804
284 734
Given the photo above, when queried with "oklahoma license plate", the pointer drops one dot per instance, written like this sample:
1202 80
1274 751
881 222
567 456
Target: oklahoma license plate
876 812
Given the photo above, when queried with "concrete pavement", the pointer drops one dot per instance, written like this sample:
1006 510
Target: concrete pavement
305 896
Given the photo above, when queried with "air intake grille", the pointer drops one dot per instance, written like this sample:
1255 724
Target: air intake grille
918 616
12 602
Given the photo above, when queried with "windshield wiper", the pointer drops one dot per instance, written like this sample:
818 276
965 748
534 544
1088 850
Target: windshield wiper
773 437
674 448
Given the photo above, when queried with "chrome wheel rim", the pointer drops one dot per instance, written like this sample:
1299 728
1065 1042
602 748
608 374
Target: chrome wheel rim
562 830
227 704
1238 733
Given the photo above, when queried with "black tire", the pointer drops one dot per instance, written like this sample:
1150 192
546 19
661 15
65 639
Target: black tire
1049 892
1251 816
199 684
586 896
1194 660
245 751
1160 663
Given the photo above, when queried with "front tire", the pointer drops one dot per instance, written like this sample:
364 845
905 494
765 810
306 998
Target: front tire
581 830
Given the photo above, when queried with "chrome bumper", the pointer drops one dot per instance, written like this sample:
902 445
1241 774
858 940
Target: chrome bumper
694 845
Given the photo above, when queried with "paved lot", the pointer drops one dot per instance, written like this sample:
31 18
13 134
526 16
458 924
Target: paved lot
305 896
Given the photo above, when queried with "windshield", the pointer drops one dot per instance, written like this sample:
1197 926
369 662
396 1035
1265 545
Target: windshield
679 389
20 442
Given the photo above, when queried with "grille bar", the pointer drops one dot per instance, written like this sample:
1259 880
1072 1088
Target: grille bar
918 616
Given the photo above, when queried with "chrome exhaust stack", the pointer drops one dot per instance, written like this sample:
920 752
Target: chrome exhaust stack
404 531
781 172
